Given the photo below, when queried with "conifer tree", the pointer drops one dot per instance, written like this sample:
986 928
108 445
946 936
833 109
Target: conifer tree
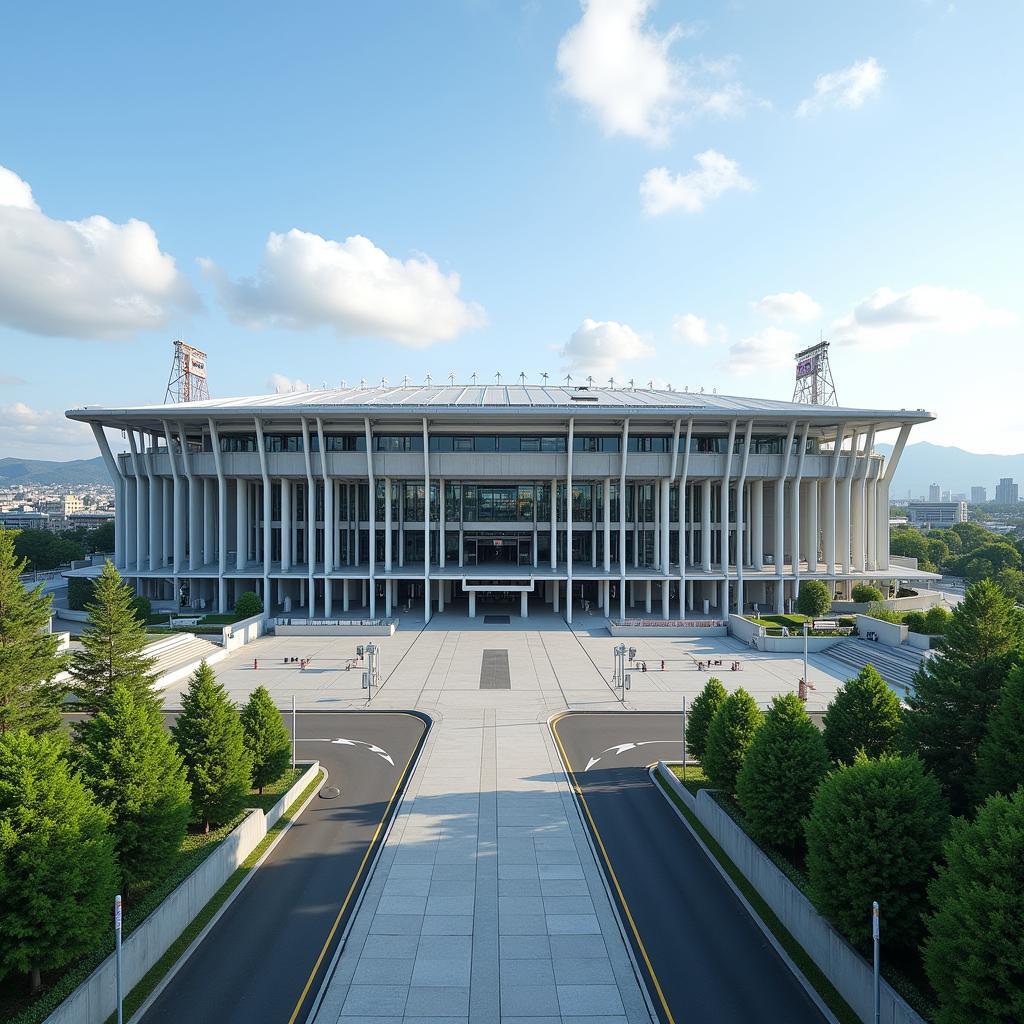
956 690
210 737
864 715
698 720
266 738
113 644
58 873
783 765
29 659
732 730
130 763
1001 754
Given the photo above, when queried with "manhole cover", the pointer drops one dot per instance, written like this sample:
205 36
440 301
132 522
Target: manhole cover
494 673
329 792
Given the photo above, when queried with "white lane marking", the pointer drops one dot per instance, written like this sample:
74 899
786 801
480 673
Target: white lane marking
379 751
621 748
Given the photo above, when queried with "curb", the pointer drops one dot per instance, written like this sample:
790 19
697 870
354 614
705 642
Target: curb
811 991
158 989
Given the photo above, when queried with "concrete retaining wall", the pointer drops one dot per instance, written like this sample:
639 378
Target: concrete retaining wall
749 633
240 633
96 998
328 627
848 971
654 627
921 641
891 634
921 602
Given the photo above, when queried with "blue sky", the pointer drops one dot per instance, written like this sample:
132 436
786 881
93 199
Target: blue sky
680 192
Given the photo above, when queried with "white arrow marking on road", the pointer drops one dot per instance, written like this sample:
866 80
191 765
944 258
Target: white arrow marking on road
621 748
379 751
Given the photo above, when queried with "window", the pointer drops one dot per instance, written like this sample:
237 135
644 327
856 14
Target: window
238 443
283 442
398 443
648 444
345 442
597 443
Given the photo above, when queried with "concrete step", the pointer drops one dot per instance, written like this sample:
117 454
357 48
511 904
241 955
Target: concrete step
897 666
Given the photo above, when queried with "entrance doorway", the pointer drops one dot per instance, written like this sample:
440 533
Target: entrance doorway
499 550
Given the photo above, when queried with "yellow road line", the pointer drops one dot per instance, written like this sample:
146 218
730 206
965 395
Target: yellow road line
611 873
351 890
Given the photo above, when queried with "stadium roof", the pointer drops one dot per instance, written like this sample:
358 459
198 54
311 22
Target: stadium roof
520 399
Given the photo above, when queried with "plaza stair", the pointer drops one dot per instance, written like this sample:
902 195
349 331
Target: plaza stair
896 665
179 655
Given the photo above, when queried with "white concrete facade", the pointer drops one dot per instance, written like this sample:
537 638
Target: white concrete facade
682 504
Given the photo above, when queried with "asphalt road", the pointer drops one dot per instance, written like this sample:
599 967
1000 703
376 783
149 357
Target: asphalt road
710 960
256 961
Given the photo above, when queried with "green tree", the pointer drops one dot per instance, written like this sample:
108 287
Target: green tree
46 550
989 560
936 620
210 737
702 712
956 690
864 593
266 738
1011 582
874 832
130 763
731 732
949 538
938 551
29 659
971 536
784 763
248 604
814 599
101 538
1001 753
58 875
863 715
908 542
113 644
975 945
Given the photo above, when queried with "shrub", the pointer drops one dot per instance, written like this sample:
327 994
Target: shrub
975 945
248 604
877 610
731 732
266 738
874 832
79 592
701 714
814 599
1001 753
863 715
937 620
916 622
864 593
142 607
784 763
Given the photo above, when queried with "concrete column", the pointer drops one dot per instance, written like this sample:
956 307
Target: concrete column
779 552
330 527
666 553
262 448
882 557
373 516
387 528
286 524
683 487
426 522
568 525
222 519
622 519
656 539
554 523
636 523
472 604
462 527
845 499
811 519
724 502
209 521
607 503
155 504
241 522
401 524
117 479
344 594
139 527
795 511
705 525
740 525
859 504
441 525
523 604
830 503
178 513
167 548
647 596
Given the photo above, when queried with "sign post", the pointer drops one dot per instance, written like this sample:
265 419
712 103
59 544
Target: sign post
294 732
875 941
684 739
806 680
117 951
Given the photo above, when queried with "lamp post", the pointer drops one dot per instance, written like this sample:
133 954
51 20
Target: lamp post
877 958
117 952
806 680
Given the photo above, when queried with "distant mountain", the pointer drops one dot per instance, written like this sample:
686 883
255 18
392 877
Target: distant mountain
38 471
953 469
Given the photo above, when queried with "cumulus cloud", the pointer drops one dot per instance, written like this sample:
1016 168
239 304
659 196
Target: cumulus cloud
603 348
621 69
87 278
691 329
716 174
306 281
797 306
280 383
768 348
28 430
846 89
887 317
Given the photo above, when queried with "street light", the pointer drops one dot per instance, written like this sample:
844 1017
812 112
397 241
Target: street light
371 677
620 680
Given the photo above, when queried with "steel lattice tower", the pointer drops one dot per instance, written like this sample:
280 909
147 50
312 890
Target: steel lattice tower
187 381
814 384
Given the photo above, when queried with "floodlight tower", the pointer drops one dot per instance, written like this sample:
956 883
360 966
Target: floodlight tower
814 383
187 381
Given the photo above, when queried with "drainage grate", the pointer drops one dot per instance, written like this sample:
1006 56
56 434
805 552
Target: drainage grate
494 673
497 620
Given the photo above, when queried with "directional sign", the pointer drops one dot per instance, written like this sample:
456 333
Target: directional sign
621 748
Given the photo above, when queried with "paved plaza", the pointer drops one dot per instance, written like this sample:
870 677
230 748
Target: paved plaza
487 904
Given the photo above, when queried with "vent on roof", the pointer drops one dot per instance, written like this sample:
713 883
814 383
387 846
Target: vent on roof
583 395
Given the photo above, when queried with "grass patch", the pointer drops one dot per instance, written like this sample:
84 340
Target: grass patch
694 780
18 1007
794 950
156 973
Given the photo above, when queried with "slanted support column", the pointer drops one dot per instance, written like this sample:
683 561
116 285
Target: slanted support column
811 519
387 524
757 524
156 506
330 528
118 481
310 521
607 495
830 503
426 522
705 525
859 510
241 522
568 524
794 512
740 527
844 528
222 519
683 481
178 555
780 520
140 534
882 498
373 516
261 447
194 506
286 525
209 520
554 522
441 529
724 510
622 519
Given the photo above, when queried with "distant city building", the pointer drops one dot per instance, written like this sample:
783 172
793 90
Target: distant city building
25 521
979 495
1007 492
936 513
934 492
958 497
946 496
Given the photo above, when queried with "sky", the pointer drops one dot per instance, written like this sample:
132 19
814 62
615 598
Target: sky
680 193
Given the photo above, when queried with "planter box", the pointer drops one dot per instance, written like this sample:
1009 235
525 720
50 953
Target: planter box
335 627
677 627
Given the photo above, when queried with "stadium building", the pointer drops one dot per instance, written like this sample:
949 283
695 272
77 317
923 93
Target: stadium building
634 502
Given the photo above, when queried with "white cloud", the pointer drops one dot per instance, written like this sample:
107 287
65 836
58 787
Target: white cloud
280 383
82 278
620 67
716 174
769 348
305 281
691 329
798 306
887 317
602 348
846 89
28 430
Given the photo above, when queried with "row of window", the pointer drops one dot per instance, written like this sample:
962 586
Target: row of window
604 443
